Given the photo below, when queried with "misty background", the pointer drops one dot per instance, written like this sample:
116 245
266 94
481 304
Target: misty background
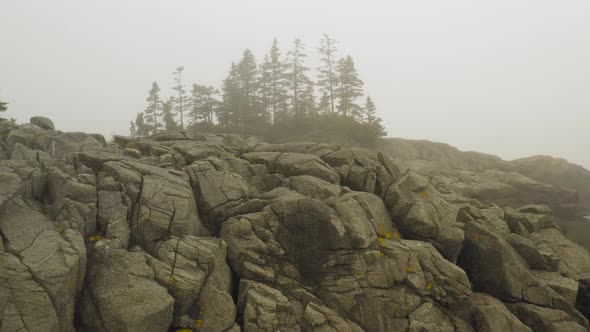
510 78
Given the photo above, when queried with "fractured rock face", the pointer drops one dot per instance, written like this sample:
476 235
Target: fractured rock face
362 270
42 122
196 275
73 202
544 319
24 305
122 295
495 268
55 259
161 201
216 191
422 214
490 314
215 232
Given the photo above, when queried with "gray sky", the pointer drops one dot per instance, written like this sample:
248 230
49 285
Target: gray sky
505 77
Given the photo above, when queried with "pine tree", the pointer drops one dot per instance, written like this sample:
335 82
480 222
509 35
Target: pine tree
298 80
168 116
275 77
349 89
371 119
3 106
265 85
142 128
181 101
132 129
327 80
228 113
203 103
153 110
307 100
324 106
252 112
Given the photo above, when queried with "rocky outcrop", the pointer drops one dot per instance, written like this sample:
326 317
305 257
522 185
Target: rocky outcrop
563 186
188 231
557 172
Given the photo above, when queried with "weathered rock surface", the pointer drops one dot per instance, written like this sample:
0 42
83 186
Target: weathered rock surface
43 122
422 214
122 295
226 233
490 314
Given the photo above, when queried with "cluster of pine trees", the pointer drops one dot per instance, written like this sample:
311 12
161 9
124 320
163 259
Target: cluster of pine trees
276 91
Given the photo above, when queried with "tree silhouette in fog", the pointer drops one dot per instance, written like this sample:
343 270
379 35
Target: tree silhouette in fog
276 97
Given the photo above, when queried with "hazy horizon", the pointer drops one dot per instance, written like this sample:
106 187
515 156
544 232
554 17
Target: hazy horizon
499 77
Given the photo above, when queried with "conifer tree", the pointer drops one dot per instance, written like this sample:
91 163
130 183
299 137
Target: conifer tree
228 113
274 80
265 85
371 119
252 112
180 101
203 103
142 129
349 89
324 105
154 108
298 80
327 80
132 129
3 106
168 116
307 104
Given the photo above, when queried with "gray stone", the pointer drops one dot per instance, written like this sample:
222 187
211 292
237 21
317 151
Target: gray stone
216 191
573 260
123 295
429 318
131 152
421 213
527 249
292 164
24 305
162 202
495 268
196 274
56 261
566 287
265 309
490 314
541 319
314 187
42 122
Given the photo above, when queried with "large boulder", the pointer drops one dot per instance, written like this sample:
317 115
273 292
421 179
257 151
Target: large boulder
216 191
122 295
490 314
495 268
573 259
293 164
161 202
421 213
429 318
527 249
541 319
24 305
55 258
73 203
42 122
195 272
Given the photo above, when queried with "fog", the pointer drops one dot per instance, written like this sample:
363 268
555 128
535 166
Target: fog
510 78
